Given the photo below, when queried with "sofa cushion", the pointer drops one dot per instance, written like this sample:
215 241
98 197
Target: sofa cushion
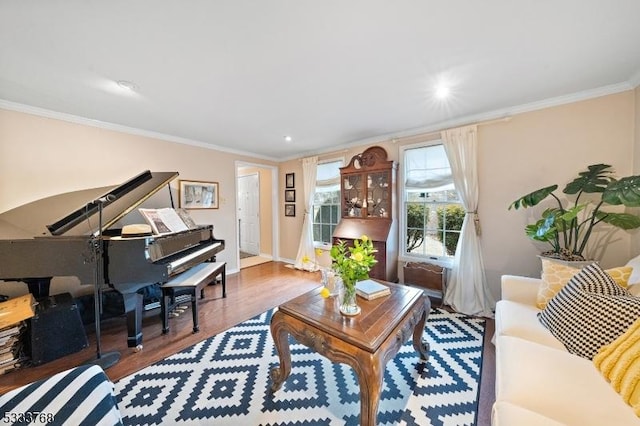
619 363
556 384
590 311
556 275
520 320
79 396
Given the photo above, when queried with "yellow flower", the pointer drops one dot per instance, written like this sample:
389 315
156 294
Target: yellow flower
364 238
305 259
319 252
358 256
325 292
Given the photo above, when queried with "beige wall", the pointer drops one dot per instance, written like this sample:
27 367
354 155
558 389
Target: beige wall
635 239
542 148
42 156
528 152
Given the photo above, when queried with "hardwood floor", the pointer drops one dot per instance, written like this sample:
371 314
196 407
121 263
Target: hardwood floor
250 292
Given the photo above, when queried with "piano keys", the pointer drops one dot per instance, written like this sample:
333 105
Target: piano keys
58 236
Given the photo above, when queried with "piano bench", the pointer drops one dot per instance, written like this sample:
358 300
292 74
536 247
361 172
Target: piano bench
190 282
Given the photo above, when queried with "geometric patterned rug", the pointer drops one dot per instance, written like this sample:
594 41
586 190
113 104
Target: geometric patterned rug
224 380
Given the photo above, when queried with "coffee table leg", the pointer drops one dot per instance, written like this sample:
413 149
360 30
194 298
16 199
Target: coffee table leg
281 340
421 344
370 381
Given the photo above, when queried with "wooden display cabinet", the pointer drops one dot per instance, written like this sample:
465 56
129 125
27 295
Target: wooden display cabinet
367 190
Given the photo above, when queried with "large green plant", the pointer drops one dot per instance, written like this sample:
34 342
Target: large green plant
567 228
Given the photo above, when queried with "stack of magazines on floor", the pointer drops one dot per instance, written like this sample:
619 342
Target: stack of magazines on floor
13 313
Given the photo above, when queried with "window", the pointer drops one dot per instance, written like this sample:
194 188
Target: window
326 201
431 213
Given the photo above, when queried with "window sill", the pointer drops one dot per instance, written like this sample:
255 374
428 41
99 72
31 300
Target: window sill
444 262
322 246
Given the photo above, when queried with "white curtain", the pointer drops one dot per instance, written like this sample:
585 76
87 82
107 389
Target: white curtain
467 290
306 249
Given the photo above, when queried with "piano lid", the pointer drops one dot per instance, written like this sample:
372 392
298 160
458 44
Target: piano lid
76 214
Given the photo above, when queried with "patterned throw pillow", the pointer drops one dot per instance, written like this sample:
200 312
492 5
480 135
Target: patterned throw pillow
590 312
556 275
619 362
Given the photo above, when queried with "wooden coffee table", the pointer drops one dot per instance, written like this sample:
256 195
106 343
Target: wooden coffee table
366 342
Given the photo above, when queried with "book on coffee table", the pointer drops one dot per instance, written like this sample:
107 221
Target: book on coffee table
370 289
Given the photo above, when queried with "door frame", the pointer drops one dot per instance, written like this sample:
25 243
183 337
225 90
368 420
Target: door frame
275 230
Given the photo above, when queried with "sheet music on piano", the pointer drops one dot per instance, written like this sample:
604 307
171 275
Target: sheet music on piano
164 221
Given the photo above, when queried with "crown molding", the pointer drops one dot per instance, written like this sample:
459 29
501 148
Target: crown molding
43 112
499 114
634 81
457 122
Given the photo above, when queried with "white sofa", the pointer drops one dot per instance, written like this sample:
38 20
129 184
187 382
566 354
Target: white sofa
537 381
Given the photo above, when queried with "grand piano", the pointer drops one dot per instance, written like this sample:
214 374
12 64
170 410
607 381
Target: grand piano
61 236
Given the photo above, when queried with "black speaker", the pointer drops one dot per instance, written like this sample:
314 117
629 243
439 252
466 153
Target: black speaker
56 329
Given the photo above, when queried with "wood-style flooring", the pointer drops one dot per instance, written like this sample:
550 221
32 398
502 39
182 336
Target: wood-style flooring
250 292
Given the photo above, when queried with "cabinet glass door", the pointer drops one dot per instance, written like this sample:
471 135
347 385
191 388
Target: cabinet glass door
378 196
353 195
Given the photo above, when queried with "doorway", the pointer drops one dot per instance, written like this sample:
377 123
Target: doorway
256 213
249 215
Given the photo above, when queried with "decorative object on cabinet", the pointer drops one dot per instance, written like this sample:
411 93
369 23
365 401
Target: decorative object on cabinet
198 195
367 190
289 180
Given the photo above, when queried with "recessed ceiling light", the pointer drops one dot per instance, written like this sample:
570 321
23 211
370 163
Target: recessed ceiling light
288 138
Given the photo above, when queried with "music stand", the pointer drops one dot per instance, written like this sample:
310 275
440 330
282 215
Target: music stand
108 359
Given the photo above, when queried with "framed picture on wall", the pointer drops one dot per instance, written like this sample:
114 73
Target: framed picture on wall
198 194
289 209
289 180
290 195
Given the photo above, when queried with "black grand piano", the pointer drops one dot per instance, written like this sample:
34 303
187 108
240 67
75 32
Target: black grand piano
60 236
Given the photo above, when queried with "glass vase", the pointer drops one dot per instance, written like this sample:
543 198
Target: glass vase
329 280
347 299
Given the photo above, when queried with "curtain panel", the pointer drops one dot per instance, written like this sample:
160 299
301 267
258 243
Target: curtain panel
467 290
306 248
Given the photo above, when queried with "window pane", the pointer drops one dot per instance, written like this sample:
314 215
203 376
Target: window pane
328 171
335 211
327 231
324 214
432 211
326 211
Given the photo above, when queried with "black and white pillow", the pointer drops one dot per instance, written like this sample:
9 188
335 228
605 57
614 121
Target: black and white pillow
590 311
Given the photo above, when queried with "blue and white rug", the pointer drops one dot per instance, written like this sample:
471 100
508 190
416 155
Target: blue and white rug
224 380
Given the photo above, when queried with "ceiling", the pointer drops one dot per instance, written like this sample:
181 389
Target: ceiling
241 75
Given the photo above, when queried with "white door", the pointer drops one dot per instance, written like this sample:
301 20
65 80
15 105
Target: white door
249 213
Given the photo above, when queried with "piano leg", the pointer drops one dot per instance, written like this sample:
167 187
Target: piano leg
133 309
39 287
